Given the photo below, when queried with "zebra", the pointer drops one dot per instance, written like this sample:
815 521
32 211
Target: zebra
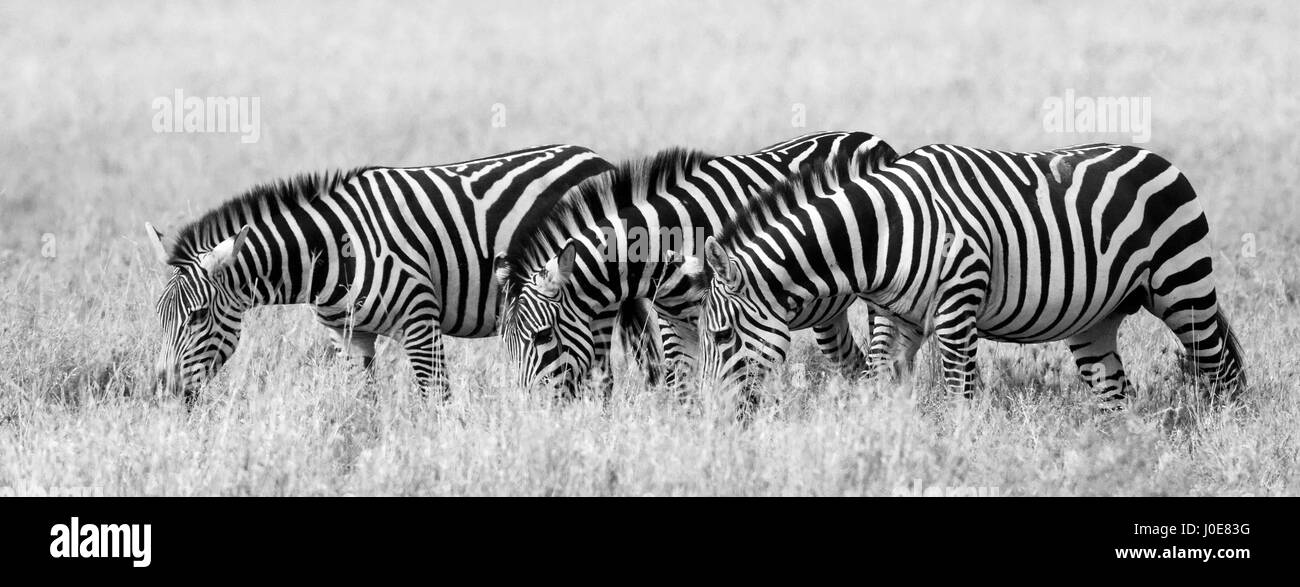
403 252
964 243
584 258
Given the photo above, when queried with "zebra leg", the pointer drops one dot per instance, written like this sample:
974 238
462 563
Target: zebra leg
901 356
835 340
681 344
676 360
954 330
883 333
964 281
422 340
893 348
602 327
663 359
638 341
1096 354
894 344
955 334
1192 312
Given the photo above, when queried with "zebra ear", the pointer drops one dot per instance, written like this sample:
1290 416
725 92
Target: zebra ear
720 262
225 253
560 269
155 241
503 269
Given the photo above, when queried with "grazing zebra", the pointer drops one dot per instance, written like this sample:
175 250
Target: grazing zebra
620 236
399 252
968 243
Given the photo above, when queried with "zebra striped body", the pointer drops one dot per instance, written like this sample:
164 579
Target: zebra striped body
968 243
400 252
622 236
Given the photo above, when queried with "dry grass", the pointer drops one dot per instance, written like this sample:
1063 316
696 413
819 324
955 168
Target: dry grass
405 84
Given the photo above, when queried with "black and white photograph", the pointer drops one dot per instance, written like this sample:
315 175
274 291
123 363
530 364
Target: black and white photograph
1021 250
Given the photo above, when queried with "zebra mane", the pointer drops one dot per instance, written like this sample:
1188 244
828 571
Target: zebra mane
225 220
601 197
814 177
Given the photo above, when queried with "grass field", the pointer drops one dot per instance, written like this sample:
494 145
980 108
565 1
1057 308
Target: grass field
341 85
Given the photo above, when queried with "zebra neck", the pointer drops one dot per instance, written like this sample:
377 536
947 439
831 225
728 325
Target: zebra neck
298 268
806 276
619 273
816 258
659 281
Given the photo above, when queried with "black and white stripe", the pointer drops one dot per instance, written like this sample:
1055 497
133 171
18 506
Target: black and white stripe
399 252
964 243
588 258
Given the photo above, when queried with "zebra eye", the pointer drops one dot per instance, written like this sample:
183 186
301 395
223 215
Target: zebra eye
198 315
722 335
543 336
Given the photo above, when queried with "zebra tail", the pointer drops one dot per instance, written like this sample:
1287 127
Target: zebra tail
1233 347
637 330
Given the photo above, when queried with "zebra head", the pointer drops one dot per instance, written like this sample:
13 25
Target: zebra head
743 333
531 321
201 313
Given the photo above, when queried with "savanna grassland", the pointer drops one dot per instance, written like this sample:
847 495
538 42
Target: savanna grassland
341 85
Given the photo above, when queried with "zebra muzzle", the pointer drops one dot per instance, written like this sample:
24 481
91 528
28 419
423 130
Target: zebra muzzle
166 377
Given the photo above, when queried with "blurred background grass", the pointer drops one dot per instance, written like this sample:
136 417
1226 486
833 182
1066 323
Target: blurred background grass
346 84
